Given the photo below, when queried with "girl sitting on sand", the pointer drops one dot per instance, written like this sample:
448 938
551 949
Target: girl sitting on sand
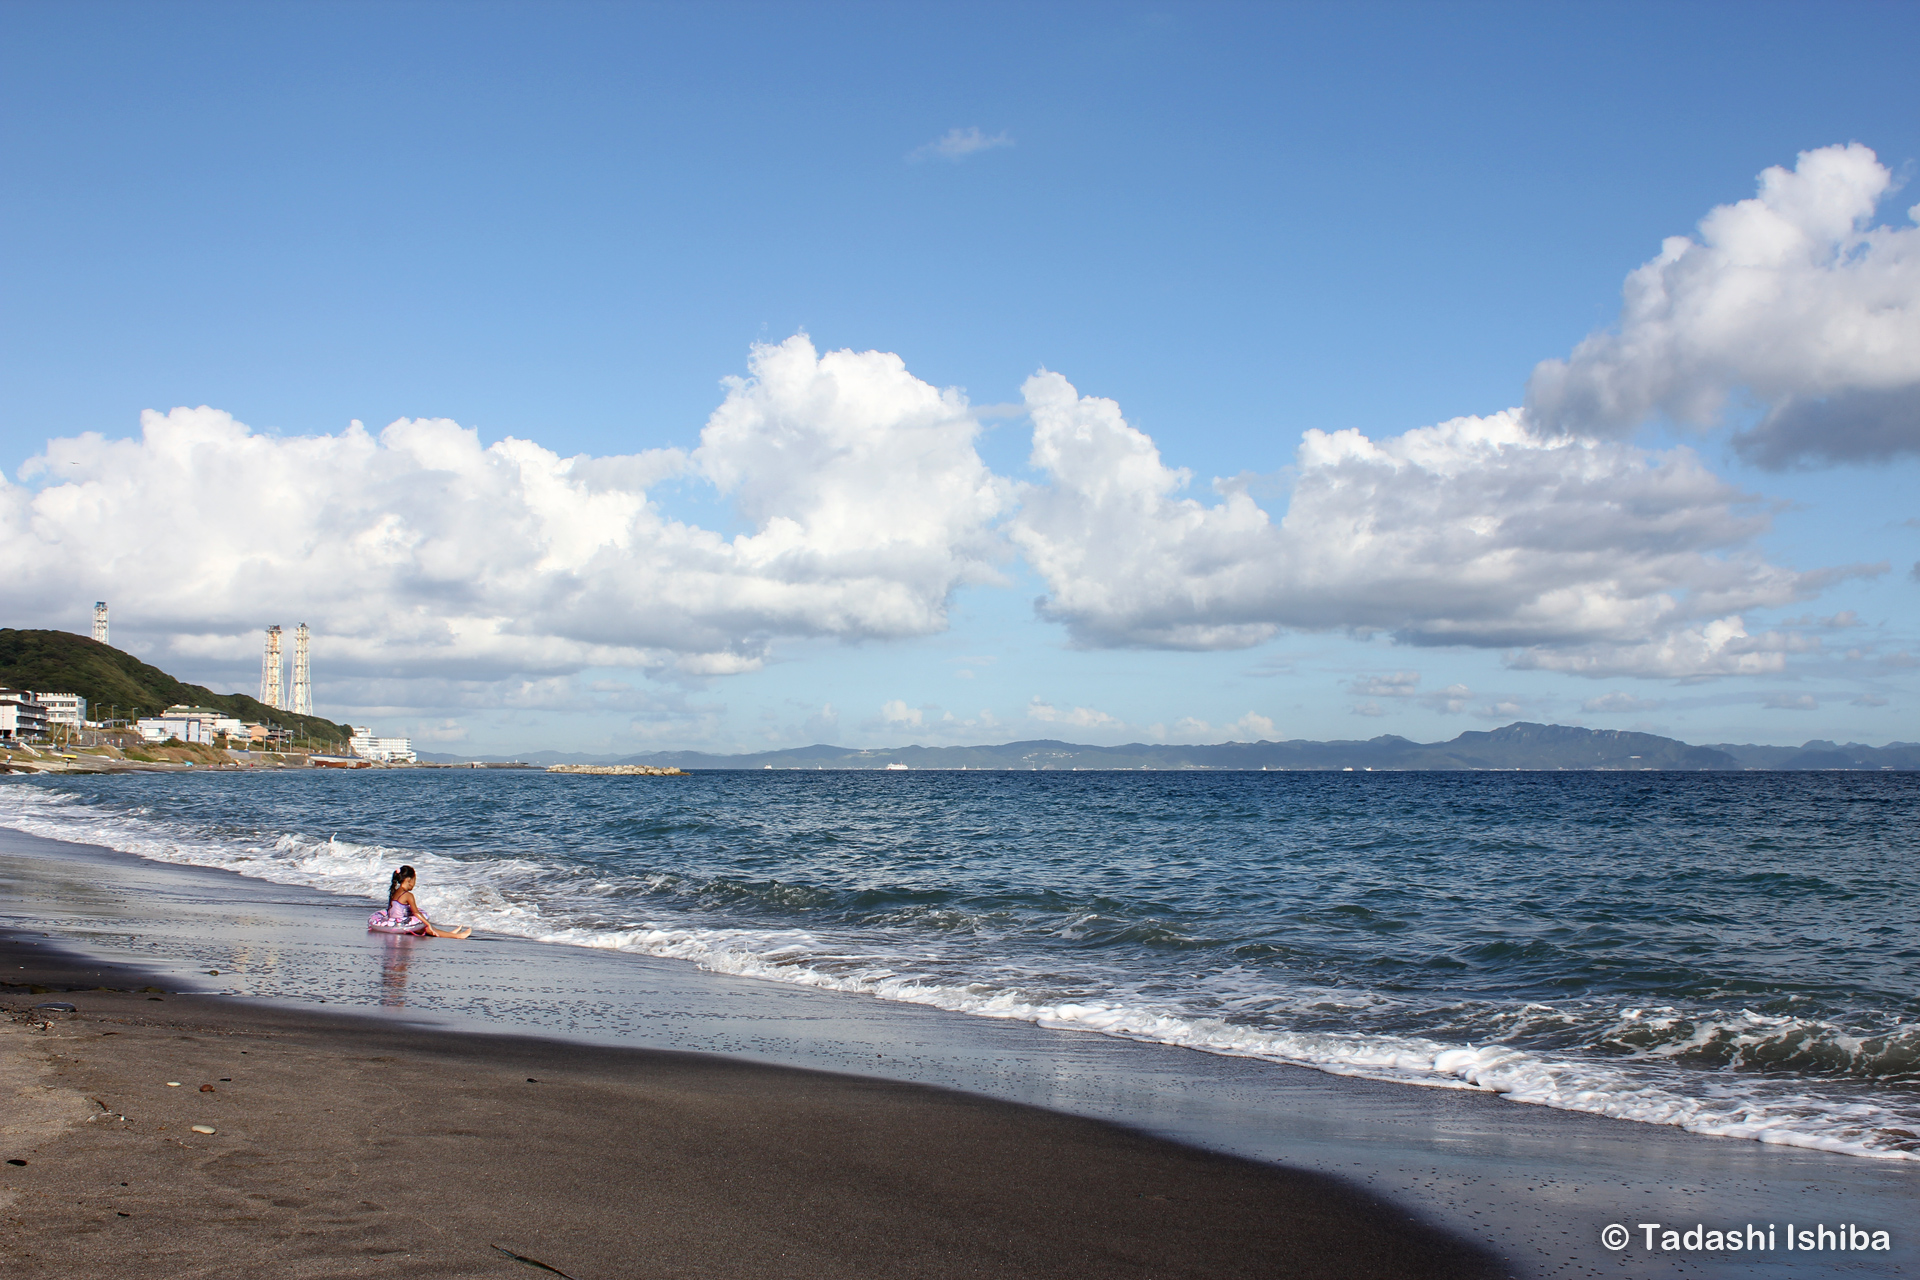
404 914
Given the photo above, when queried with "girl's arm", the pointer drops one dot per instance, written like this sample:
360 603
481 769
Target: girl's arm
432 928
406 896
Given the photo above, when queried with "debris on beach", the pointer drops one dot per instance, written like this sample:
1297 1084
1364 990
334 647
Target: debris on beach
533 1262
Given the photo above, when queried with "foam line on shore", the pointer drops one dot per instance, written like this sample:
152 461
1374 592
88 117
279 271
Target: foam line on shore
499 895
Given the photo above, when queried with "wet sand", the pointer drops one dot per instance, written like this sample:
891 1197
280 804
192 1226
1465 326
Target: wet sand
346 1146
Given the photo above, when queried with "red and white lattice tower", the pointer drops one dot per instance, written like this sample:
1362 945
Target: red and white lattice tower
302 676
272 665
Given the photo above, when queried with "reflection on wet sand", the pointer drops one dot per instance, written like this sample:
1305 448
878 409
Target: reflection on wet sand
393 969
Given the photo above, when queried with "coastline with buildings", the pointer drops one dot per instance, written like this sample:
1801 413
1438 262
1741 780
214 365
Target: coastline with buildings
75 703
49 733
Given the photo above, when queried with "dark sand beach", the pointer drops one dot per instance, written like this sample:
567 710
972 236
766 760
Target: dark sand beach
343 1146
372 1108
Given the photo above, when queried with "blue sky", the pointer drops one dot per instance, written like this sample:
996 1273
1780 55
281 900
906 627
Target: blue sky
566 225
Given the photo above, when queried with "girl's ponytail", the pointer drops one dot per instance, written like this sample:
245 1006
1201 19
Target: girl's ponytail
399 877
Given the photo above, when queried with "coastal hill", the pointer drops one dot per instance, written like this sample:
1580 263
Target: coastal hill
1517 746
62 662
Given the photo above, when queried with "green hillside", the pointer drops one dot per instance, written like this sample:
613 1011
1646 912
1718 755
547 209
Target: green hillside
61 662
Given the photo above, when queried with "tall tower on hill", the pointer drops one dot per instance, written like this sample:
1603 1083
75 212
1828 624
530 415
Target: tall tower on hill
100 621
272 666
302 676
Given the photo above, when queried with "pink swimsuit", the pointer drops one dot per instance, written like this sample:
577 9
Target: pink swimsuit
397 918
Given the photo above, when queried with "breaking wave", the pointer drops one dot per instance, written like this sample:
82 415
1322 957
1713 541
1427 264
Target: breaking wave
1105 964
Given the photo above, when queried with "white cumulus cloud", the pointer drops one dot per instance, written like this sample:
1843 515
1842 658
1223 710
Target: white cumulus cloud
897 714
1792 299
1475 531
1618 701
418 550
1078 717
1543 532
1720 648
1451 700
1254 725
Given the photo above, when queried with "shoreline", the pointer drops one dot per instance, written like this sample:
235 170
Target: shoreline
200 758
342 1146
180 758
1532 1184
1841 1111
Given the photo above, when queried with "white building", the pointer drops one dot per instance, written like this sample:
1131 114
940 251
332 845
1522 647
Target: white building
21 716
63 708
390 750
162 728
191 724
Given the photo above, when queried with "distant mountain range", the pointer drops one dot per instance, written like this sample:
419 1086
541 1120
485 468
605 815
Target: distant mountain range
1517 746
59 660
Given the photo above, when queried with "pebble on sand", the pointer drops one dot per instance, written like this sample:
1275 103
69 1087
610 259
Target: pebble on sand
203 1128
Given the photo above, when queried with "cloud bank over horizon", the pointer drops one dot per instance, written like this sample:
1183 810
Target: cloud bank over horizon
1542 532
1579 555
418 550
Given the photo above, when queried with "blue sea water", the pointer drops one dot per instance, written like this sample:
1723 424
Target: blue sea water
1733 954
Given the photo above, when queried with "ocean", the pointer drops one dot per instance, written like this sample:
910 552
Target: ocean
1733 954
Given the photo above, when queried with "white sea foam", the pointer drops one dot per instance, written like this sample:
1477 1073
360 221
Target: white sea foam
518 897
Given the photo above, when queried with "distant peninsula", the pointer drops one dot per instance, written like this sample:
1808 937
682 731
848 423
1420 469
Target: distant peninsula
1521 746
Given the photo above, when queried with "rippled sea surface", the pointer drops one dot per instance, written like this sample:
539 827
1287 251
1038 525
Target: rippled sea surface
1735 954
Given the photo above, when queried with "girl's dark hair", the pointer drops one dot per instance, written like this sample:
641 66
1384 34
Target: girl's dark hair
393 886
